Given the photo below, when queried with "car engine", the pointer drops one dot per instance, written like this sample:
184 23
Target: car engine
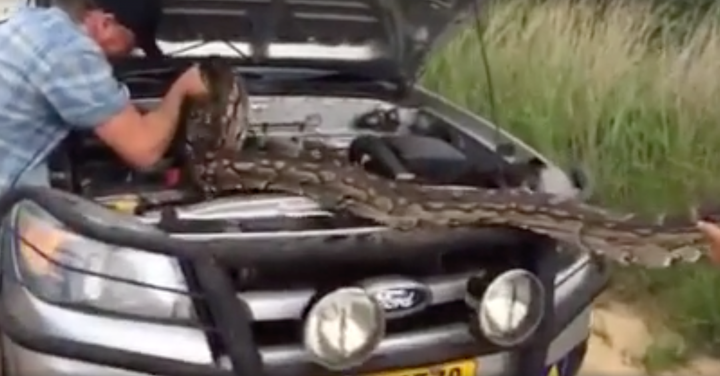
402 143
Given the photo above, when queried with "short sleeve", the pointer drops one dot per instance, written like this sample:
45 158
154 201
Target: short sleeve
80 85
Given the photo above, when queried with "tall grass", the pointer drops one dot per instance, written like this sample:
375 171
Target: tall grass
617 90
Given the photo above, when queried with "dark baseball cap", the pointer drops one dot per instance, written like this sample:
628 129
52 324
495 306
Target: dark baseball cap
142 17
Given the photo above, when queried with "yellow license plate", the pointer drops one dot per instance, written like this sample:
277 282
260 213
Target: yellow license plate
459 368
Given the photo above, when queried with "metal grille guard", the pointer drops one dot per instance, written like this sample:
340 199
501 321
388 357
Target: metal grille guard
205 259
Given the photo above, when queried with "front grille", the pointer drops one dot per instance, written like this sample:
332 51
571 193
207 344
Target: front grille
279 296
324 277
284 332
435 316
462 255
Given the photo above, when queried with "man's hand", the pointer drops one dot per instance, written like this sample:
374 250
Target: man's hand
712 233
192 82
143 139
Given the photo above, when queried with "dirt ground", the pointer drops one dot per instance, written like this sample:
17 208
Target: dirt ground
620 338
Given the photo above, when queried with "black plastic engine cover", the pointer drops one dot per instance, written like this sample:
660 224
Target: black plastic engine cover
432 159
429 160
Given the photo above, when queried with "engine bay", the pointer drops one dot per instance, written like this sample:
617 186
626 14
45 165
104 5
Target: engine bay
399 142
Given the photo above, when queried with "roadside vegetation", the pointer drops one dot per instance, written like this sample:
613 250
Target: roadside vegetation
631 90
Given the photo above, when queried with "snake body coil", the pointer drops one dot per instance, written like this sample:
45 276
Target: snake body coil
215 129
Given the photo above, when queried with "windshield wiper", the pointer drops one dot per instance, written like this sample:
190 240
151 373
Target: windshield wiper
324 76
335 78
164 76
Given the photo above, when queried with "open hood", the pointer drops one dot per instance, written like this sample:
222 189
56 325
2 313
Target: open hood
395 34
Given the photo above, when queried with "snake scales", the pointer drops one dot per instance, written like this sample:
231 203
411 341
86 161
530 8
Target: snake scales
215 128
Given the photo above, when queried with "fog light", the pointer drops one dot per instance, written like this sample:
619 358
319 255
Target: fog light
511 308
343 328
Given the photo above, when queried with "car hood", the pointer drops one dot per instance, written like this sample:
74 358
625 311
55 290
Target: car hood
397 35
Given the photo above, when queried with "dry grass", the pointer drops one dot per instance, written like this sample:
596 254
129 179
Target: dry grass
614 89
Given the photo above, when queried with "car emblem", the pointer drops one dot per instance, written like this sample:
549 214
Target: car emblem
399 297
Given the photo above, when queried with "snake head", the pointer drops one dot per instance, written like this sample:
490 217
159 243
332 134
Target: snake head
230 100
220 120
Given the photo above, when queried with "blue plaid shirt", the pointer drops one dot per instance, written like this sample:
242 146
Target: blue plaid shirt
53 78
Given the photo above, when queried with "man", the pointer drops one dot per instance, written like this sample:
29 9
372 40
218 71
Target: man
712 233
55 77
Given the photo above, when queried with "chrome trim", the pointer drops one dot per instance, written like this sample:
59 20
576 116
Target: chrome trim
383 289
246 207
290 304
281 234
449 335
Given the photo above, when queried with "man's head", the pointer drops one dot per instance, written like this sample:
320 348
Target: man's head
117 26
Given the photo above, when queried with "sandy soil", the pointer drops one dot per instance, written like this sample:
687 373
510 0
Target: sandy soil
620 338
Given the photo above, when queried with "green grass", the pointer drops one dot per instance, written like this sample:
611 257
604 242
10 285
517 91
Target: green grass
666 353
621 93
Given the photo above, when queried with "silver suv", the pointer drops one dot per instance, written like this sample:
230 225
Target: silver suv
126 273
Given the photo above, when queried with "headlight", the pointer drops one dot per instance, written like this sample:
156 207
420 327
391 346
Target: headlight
511 307
343 328
63 267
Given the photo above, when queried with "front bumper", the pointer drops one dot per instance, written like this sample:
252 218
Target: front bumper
41 338
21 361
22 356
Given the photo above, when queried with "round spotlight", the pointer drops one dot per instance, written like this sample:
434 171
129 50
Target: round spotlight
511 308
343 328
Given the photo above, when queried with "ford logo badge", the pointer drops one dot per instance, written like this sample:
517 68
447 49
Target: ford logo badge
399 297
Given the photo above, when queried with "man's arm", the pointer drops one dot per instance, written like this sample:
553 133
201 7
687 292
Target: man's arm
712 234
142 140
80 86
